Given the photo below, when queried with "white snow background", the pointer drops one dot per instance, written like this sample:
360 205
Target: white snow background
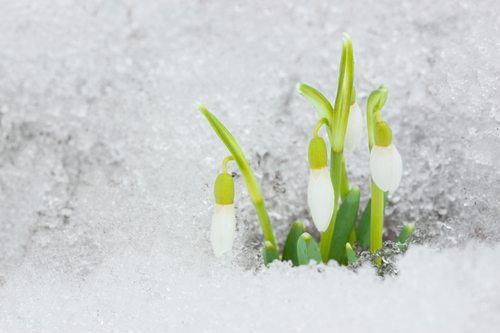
106 168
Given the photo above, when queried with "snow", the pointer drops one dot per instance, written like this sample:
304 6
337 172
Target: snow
106 168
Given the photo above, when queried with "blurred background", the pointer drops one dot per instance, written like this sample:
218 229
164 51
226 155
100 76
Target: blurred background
106 168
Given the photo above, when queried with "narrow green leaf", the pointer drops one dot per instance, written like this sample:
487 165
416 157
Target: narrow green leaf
363 230
269 253
353 236
290 249
350 254
231 144
346 218
239 157
404 237
307 249
319 102
346 93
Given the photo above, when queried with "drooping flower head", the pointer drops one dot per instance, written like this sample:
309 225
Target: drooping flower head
319 190
386 166
223 227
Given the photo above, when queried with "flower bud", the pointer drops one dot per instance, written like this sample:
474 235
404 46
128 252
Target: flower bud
223 227
224 189
317 153
383 134
386 167
319 189
320 197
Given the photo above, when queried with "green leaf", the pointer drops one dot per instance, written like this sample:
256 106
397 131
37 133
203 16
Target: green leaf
233 147
319 102
239 157
290 249
352 236
307 249
346 218
269 253
350 254
404 237
363 230
346 90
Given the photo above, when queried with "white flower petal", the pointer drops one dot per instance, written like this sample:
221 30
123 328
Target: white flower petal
354 130
386 167
320 197
223 229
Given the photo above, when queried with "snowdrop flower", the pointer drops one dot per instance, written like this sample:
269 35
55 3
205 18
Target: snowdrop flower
354 128
222 230
320 190
386 166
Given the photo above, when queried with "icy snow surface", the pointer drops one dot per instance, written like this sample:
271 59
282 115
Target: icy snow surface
106 168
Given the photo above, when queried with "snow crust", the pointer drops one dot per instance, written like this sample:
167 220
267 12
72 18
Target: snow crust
106 168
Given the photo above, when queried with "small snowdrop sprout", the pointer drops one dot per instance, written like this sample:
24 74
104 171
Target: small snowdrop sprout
320 193
386 166
222 230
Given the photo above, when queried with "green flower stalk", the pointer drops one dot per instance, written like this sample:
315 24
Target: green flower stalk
385 165
337 117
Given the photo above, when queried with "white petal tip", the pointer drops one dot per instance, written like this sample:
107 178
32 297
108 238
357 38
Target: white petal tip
223 229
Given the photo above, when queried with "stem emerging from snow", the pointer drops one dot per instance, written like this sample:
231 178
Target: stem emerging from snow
336 164
375 102
377 219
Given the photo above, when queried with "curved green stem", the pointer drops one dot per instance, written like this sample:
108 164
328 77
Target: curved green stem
375 103
252 186
318 126
225 162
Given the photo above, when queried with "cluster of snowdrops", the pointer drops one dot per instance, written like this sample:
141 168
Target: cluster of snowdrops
333 203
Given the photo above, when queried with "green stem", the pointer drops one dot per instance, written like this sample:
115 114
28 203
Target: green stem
265 222
344 182
376 101
336 175
377 219
318 126
225 162
326 237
